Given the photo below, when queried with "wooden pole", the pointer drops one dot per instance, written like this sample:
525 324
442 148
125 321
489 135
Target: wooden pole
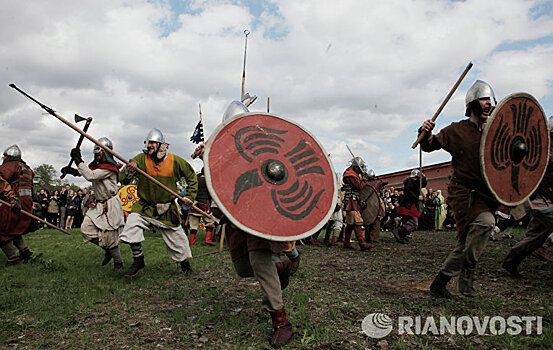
421 136
268 103
110 151
36 218
246 32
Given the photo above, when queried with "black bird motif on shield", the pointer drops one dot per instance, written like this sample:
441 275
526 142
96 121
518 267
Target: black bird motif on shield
517 144
298 199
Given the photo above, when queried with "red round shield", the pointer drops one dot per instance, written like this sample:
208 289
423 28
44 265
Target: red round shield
270 176
514 150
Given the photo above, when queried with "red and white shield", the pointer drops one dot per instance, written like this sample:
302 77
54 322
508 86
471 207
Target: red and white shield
270 176
514 150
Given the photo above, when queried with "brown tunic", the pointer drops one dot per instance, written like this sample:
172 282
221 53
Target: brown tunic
462 141
241 243
20 177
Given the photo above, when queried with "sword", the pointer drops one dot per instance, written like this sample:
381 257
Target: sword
356 162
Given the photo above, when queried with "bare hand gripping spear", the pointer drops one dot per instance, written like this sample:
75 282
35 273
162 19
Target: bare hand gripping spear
106 149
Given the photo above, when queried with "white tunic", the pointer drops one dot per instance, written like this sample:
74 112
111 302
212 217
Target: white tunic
106 220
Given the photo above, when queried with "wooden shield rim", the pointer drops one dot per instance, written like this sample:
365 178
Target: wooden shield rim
236 222
482 146
379 206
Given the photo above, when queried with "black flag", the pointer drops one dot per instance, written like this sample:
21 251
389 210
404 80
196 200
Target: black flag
198 135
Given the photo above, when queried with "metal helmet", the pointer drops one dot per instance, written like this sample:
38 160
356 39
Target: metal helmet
106 142
235 108
480 89
370 174
415 173
154 135
358 161
13 151
550 124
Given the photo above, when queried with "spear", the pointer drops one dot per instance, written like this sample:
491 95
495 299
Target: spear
36 218
246 32
140 171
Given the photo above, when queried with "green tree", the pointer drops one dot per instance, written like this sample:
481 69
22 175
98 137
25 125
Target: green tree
46 177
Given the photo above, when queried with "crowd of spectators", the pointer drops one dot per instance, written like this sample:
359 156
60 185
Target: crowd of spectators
64 208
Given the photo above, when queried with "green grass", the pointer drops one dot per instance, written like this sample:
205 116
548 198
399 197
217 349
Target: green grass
64 299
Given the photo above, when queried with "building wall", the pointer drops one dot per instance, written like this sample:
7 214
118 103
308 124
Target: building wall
437 177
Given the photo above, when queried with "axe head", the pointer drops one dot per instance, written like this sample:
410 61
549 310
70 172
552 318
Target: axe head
78 118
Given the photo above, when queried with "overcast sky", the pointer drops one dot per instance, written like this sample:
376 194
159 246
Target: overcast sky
364 73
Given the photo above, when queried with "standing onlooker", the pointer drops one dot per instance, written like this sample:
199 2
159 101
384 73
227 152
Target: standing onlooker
71 208
63 204
79 212
53 208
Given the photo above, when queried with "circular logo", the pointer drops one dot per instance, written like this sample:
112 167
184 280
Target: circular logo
377 325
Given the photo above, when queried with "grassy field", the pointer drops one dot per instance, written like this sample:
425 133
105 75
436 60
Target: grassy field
64 299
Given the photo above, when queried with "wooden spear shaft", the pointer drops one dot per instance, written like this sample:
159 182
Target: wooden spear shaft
36 218
422 135
142 172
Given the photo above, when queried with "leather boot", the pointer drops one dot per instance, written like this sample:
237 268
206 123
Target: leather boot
333 241
438 287
117 265
193 238
283 269
282 328
398 238
186 268
295 264
511 263
107 258
209 236
540 252
137 265
347 238
25 255
362 245
13 261
466 280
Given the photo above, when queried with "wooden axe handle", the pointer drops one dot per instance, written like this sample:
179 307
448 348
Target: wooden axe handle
36 218
422 134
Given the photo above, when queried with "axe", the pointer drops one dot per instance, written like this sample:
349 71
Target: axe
108 150
78 118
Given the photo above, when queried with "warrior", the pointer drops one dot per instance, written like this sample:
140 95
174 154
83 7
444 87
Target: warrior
13 224
353 206
408 208
156 210
541 221
472 202
252 256
372 230
203 200
104 220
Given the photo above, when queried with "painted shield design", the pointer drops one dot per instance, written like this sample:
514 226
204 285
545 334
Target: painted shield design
514 150
128 195
371 198
270 176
